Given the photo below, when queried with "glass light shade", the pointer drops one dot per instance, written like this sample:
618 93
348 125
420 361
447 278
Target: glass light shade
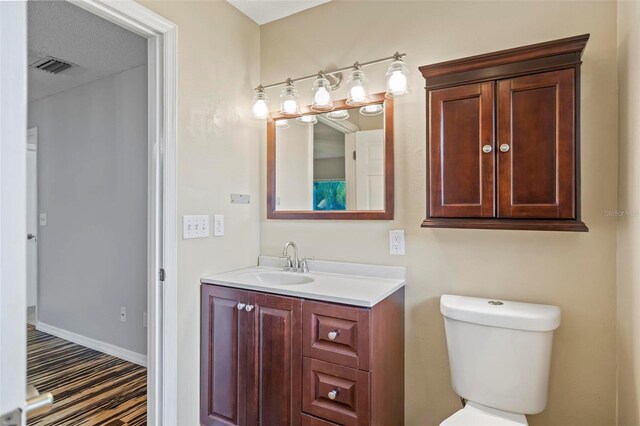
373 109
321 94
289 100
342 114
260 108
358 93
307 119
397 74
282 124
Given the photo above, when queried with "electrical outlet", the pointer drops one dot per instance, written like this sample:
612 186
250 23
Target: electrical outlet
218 225
195 226
396 242
144 319
123 314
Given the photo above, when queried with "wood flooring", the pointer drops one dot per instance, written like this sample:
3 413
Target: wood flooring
89 387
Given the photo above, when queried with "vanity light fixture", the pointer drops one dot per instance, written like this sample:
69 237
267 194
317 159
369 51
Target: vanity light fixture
321 94
373 109
397 74
289 99
357 93
260 104
307 119
327 81
342 114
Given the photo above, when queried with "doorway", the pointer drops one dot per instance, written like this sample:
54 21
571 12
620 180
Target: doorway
161 262
32 224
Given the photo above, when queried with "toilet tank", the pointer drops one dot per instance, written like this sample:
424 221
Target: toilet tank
500 351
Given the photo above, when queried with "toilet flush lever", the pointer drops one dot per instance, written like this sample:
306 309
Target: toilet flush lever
495 302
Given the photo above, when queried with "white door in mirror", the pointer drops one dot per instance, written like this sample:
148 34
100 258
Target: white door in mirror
396 242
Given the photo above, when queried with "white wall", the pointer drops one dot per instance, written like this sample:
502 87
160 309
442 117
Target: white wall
576 271
92 182
629 208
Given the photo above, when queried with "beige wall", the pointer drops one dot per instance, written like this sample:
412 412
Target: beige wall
576 271
218 64
629 222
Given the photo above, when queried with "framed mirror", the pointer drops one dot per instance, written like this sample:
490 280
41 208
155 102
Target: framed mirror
332 165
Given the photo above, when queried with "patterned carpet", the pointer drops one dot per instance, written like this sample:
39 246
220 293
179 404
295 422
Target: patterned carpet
89 387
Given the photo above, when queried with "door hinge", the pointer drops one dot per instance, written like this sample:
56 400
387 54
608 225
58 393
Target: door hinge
354 156
162 274
13 418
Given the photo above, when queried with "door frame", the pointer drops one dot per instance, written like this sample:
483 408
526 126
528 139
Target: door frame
32 133
162 347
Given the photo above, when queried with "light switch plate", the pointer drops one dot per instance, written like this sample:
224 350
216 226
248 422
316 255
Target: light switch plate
195 226
396 242
43 219
218 225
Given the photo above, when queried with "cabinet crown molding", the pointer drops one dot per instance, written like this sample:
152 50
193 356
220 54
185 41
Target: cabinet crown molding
537 57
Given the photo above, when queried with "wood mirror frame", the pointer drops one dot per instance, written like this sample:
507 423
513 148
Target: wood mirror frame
386 214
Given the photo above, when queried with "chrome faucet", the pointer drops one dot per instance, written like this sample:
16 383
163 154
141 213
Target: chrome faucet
294 264
291 263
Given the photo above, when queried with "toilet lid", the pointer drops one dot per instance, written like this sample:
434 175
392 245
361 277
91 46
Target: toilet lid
478 415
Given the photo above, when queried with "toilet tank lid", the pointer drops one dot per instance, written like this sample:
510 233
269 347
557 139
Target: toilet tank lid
500 313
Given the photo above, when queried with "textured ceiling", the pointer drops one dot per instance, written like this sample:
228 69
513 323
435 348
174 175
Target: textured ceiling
264 11
98 47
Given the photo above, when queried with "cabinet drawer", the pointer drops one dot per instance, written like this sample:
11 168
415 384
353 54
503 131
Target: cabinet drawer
308 420
336 393
338 334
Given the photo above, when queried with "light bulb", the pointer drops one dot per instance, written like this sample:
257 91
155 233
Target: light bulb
322 97
260 109
357 87
397 78
307 119
289 96
397 82
357 94
290 106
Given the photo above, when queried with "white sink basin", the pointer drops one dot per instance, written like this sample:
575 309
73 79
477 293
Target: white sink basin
277 277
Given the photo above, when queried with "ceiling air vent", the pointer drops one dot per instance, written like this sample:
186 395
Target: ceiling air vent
51 64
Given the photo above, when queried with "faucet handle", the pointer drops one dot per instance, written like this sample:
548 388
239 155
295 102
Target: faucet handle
288 261
304 265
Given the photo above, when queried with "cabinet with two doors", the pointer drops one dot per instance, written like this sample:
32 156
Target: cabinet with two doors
503 132
275 360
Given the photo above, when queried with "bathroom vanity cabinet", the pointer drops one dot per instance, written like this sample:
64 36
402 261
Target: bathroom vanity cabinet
269 359
504 145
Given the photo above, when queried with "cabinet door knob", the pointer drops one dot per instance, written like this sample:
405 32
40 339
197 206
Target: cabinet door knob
332 335
504 147
332 395
249 308
486 149
241 306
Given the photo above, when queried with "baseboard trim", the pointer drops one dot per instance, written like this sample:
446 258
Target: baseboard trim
90 343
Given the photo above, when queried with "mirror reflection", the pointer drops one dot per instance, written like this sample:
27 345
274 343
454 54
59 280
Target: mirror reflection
332 161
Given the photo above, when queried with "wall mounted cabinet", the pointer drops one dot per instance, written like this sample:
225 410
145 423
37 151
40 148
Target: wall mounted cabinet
503 139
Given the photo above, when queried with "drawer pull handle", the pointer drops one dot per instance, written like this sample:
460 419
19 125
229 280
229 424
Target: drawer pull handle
332 395
332 335
504 147
241 306
249 308
487 149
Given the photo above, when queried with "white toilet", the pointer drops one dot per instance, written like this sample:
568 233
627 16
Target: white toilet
499 353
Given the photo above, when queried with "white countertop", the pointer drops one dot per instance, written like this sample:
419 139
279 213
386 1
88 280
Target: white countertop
338 282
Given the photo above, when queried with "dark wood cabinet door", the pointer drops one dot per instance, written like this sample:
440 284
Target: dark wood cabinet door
275 361
225 332
461 151
536 146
